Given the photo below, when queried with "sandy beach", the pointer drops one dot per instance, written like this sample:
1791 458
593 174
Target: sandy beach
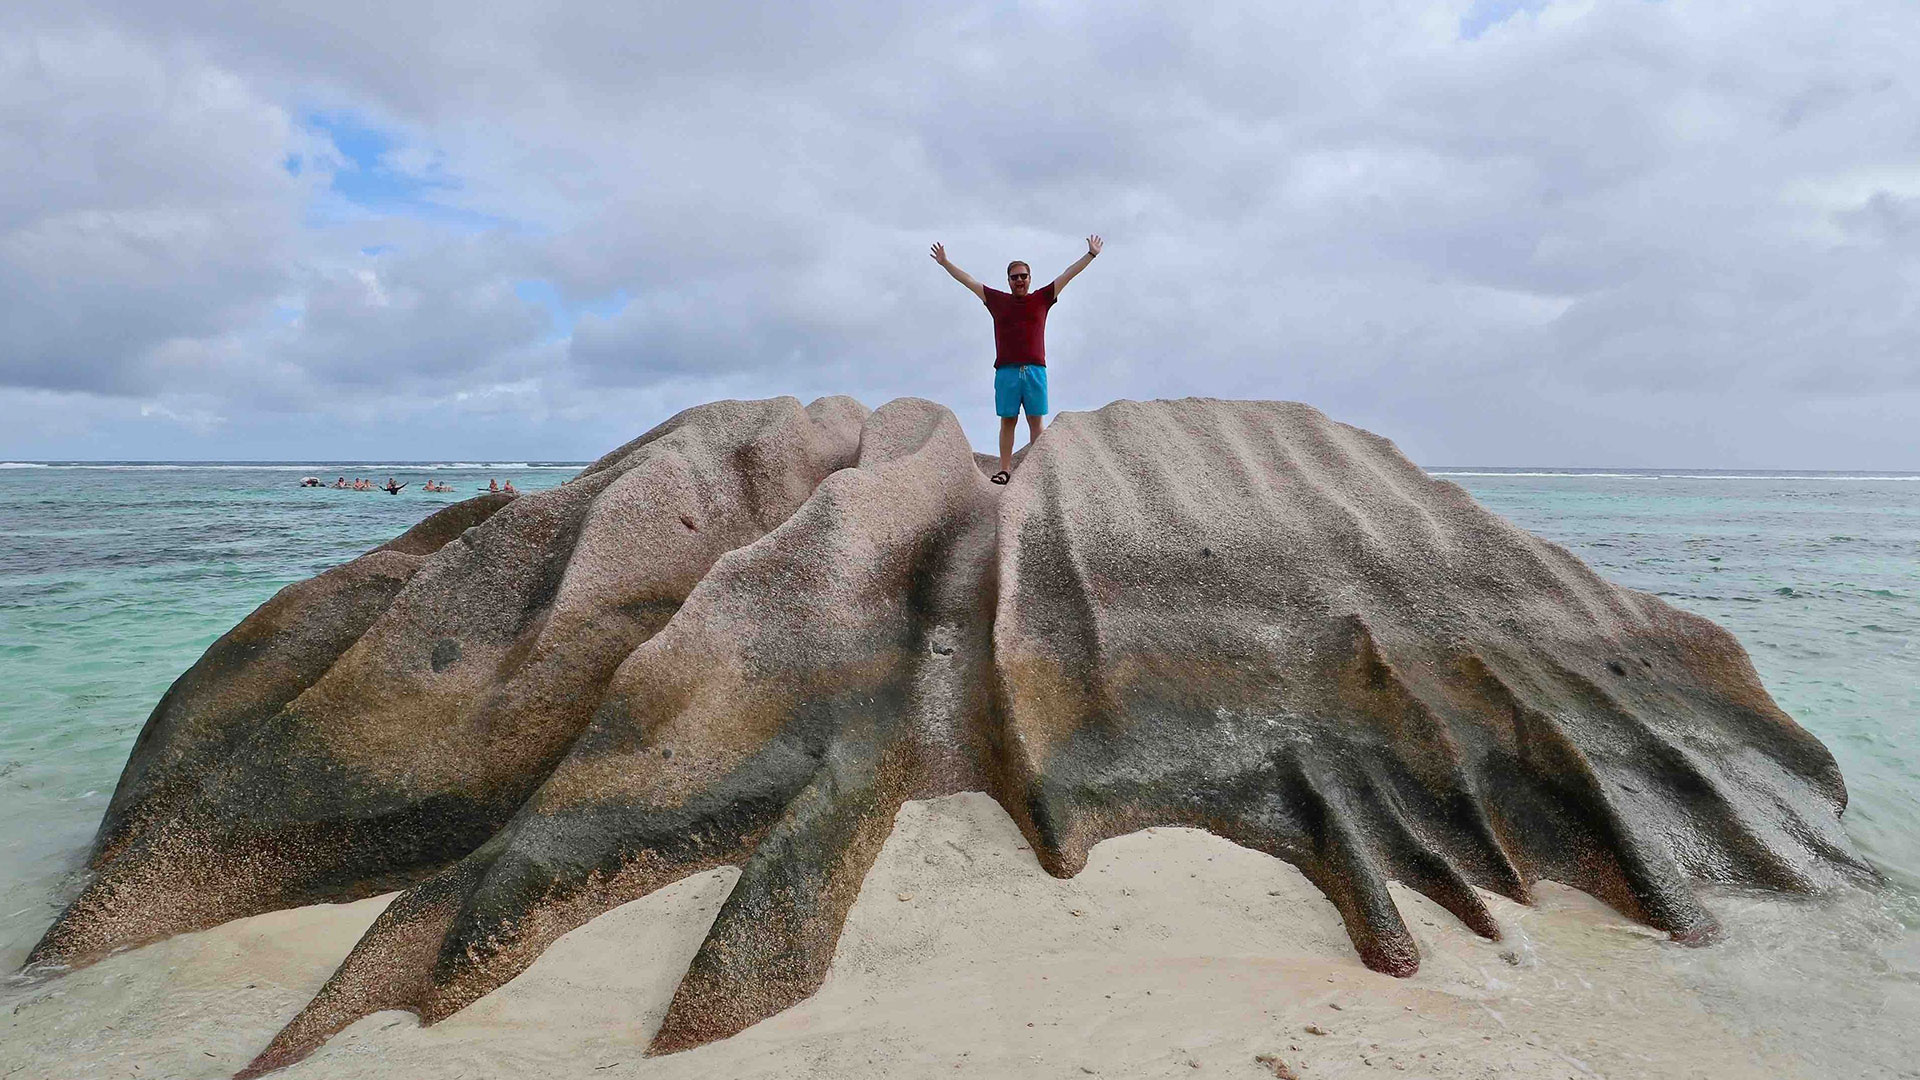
1174 954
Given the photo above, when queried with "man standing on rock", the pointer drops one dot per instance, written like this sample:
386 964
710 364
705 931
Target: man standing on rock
1020 344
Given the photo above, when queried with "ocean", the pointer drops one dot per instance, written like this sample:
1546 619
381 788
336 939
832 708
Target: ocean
115 577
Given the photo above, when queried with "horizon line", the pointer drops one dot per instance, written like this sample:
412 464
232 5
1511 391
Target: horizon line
1598 471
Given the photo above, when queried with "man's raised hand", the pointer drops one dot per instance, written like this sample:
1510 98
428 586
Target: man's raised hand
1079 264
959 275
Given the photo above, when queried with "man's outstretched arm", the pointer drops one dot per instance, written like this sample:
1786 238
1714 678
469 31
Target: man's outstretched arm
959 275
1093 251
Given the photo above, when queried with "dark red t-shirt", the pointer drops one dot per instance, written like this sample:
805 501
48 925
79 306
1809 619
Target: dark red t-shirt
1020 325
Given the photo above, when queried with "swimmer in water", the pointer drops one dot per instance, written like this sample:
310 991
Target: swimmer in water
509 489
392 488
494 486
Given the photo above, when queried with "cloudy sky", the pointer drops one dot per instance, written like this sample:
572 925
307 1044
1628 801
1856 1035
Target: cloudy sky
1502 232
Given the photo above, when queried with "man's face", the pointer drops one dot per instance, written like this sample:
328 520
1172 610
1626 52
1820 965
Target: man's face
1017 280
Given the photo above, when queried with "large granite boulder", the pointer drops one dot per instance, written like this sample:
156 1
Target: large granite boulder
748 636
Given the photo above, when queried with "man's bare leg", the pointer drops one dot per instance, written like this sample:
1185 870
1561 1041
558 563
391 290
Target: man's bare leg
1007 424
1034 424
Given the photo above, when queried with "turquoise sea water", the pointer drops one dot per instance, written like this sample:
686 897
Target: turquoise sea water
114 579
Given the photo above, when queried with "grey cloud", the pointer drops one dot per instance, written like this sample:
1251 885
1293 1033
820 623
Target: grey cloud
144 202
1589 208
431 315
1884 218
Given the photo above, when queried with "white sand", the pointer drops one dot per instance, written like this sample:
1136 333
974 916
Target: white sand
1174 954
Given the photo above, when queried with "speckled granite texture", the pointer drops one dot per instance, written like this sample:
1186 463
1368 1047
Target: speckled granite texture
749 636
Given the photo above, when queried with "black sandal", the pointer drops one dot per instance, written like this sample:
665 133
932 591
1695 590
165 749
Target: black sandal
1000 477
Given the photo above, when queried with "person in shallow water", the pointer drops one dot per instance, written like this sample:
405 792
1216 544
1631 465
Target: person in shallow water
1019 341
392 488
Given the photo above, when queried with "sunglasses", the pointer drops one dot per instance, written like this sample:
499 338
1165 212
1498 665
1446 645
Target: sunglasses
1018 277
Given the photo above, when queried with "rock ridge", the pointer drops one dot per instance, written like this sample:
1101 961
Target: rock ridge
750 635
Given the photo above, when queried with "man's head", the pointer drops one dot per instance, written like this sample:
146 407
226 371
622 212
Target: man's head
1018 278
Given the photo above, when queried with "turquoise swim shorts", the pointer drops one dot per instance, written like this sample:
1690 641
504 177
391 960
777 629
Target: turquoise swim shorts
1020 384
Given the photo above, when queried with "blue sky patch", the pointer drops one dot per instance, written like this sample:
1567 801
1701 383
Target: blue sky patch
382 173
1486 14
543 293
